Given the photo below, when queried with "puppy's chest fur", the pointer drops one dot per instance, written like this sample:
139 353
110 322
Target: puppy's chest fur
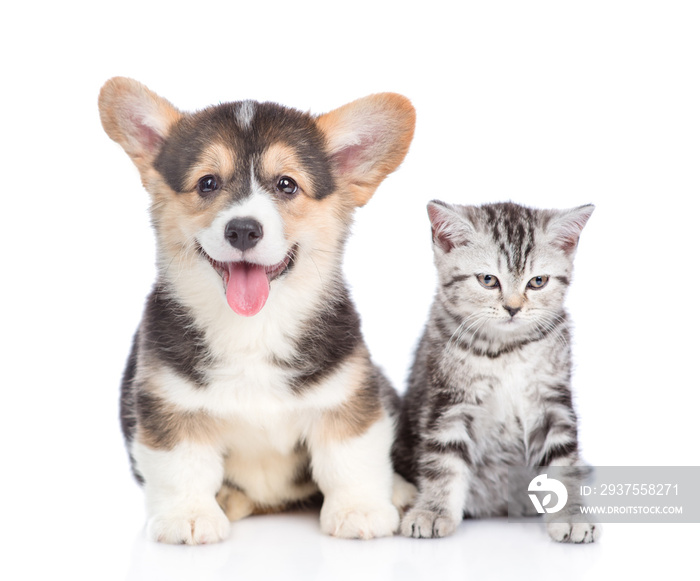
247 407
248 376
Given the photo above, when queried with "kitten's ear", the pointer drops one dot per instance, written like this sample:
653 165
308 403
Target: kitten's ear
367 140
449 228
136 118
566 226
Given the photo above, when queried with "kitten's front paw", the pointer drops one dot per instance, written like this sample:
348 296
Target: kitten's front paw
188 528
580 532
359 522
426 524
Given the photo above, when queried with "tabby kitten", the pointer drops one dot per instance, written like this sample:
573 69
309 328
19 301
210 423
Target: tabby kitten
490 384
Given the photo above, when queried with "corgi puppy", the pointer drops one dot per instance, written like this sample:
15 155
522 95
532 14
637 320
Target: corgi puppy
249 387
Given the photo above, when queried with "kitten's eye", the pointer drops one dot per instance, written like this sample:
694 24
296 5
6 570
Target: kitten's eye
287 186
488 281
207 185
538 282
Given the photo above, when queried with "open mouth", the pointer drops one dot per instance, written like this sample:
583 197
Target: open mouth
246 284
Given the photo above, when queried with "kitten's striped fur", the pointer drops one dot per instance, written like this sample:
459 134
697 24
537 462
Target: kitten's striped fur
490 386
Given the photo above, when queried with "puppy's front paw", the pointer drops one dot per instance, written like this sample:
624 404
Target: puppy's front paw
359 522
189 528
580 532
426 524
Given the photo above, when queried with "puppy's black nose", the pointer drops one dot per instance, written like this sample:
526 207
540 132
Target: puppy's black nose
243 233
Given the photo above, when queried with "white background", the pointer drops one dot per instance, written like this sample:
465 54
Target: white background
551 104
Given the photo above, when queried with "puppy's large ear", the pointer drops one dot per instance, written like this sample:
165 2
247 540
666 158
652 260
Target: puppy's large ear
136 118
367 140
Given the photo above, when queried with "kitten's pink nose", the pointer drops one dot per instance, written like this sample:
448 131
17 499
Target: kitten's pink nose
511 310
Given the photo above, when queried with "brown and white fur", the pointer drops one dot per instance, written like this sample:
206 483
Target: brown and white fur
243 401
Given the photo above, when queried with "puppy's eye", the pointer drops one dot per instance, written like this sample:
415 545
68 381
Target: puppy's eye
207 185
538 282
488 280
287 186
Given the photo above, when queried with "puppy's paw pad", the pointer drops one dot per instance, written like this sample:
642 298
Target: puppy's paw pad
360 523
573 532
426 524
201 529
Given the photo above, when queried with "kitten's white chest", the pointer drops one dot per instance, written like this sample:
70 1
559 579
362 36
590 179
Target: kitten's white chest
506 390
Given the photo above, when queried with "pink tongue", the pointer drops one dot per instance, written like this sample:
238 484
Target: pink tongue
247 288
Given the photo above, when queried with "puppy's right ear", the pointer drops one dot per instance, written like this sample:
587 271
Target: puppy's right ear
367 140
136 118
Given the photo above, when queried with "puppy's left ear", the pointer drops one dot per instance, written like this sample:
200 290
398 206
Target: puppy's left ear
136 118
367 140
